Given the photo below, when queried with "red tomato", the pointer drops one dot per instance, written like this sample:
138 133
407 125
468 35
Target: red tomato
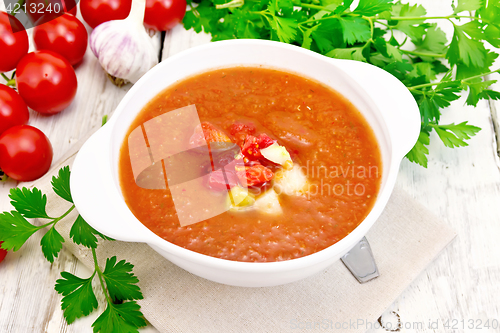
25 153
13 46
46 81
264 141
13 110
240 132
69 6
65 35
251 148
95 12
162 15
254 175
3 253
41 11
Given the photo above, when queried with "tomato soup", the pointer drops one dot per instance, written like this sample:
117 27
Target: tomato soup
310 173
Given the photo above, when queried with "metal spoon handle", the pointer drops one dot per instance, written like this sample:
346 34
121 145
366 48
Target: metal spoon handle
360 261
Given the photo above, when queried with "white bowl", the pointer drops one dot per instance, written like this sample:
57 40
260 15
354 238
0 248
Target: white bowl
384 101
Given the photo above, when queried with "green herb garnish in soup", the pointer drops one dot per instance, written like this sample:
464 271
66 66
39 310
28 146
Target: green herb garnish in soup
306 169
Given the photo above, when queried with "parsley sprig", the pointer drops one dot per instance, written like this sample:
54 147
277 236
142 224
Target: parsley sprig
394 36
119 284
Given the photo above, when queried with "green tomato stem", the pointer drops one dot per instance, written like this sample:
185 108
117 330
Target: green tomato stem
10 82
3 176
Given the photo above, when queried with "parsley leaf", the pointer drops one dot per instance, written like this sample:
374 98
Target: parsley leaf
355 29
285 28
464 71
455 135
418 154
120 318
79 299
429 110
430 101
83 234
468 5
30 203
475 90
490 94
307 38
372 7
490 11
328 35
492 35
465 49
120 281
434 40
329 27
117 280
60 184
51 244
353 53
15 230
414 29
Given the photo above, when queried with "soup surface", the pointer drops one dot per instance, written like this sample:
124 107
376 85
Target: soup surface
294 206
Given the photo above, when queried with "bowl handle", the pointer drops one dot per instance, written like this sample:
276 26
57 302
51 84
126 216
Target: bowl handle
94 191
394 100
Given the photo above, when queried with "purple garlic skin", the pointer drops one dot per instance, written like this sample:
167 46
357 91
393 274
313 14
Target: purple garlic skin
123 47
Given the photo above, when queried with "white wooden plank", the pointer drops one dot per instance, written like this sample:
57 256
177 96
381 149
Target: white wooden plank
460 185
179 39
28 301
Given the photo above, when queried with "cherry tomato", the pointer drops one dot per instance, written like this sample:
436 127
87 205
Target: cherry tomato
13 110
13 46
25 153
95 12
162 15
41 11
3 253
46 81
69 6
65 35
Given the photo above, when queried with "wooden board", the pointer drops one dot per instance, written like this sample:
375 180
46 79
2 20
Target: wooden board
462 186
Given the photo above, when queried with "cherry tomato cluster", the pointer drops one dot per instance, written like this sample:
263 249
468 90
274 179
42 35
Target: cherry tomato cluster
45 81
160 15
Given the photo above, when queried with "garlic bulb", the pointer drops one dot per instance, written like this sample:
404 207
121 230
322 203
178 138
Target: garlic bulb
123 47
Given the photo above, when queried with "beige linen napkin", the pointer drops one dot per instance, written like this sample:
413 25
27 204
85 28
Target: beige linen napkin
404 240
